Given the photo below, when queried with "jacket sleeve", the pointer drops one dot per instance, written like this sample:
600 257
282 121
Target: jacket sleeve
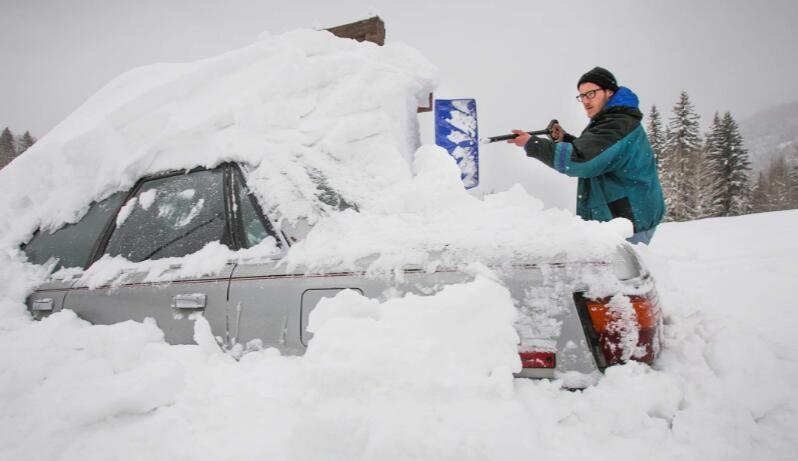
596 151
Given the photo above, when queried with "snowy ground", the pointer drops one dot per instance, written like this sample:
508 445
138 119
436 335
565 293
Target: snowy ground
368 389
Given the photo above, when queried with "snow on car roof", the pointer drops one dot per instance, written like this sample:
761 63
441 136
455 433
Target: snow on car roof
301 107
309 114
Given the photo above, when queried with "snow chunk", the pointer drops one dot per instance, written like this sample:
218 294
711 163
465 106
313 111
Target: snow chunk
464 333
148 198
125 211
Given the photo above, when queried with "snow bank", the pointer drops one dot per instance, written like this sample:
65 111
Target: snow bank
723 388
77 391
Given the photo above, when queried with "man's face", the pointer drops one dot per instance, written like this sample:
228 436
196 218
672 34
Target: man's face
600 97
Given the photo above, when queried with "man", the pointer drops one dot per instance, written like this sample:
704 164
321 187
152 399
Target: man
612 157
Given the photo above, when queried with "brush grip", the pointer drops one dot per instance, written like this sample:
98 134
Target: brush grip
506 137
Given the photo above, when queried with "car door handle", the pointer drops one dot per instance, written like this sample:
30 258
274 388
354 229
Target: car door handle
42 305
189 301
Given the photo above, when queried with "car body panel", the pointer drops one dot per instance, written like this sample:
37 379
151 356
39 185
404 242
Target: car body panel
136 299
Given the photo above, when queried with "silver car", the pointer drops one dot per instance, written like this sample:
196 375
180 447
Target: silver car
263 304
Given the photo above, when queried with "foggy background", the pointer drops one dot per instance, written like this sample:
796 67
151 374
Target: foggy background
519 59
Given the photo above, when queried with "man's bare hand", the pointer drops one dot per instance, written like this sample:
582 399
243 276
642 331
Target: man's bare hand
557 133
521 139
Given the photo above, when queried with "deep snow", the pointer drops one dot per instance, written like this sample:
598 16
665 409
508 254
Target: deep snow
723 387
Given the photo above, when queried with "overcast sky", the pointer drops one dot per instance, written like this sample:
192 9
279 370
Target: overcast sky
519 59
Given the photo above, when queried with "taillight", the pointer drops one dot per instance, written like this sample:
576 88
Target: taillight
538 359
628 327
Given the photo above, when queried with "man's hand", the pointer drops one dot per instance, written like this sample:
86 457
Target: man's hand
557 133
521 139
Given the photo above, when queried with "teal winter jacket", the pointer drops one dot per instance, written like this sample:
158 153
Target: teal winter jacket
614 163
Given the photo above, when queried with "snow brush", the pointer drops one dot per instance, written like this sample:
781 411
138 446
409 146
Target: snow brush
506 137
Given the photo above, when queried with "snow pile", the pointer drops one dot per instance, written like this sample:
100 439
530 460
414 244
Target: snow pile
430 220
306 110
77 391
321 123
412 342
723 388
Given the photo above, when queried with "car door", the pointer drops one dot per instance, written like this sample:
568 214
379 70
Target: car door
69 247
259 291
271 305
166 216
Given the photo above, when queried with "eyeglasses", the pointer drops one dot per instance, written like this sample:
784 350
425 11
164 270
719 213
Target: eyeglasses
588 94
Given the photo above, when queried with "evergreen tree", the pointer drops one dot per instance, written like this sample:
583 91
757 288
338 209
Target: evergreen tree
655 135
735 168
780 187
794 180
682 144
24 142
7 148
760 196
709 196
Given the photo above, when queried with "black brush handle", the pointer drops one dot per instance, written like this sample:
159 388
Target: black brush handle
505 137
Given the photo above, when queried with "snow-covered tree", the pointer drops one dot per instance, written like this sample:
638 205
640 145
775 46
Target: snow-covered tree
656 137
794 182
682 143
735 168
793 176
780 187
776 187
24 142
7 148
760 195
706 171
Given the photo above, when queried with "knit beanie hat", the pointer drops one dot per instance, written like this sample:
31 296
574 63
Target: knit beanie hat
601 77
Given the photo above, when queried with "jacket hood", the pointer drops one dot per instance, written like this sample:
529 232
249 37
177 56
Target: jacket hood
624 97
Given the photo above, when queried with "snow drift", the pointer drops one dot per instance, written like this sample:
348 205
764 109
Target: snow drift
723 388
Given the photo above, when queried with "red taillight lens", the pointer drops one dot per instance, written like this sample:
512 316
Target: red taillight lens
627 331
538 359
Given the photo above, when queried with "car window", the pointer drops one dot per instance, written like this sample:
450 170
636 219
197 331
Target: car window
171 217
254 230
72 244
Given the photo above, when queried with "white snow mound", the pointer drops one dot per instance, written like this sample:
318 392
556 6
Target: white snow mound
310 115
305 109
